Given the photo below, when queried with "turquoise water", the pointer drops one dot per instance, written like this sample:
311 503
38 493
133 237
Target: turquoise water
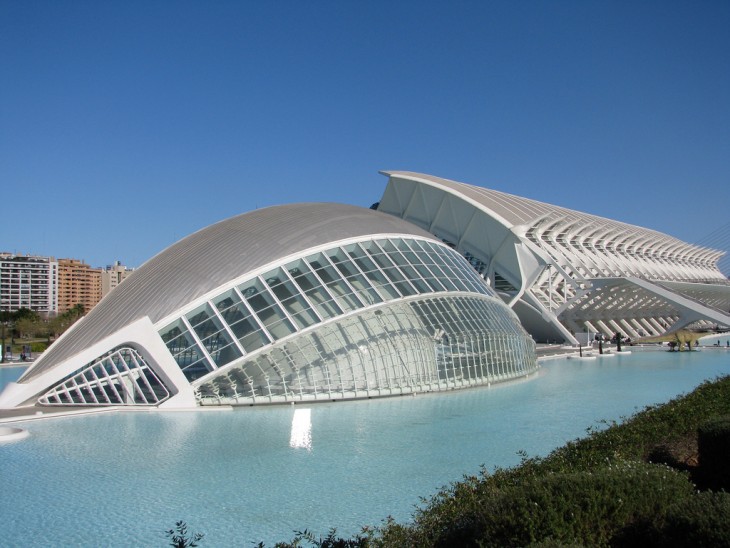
254 474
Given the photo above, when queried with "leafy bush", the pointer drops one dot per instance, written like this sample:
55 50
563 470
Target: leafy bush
38 347
700 520
713 441
581 508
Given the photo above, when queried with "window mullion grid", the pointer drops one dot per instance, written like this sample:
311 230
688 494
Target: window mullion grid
395 356
480 349
337 334
100 382
126 375
87 387
350 347
398 253
377 271
381 269
361 336
227 328
97 382
363 275
407 328
199 343
137 372
395 266
324 362
395 379
75 387
160 384
255 316
115 375
279 303
434 277
456 273
431 251
353 291
373 361
374 338
293 365
302 293
140 370
348 356
323 285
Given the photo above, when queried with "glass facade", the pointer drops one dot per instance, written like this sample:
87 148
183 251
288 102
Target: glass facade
429 344
121 377
368 318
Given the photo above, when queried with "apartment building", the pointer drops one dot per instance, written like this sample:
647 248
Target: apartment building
112 276
78 283
28 281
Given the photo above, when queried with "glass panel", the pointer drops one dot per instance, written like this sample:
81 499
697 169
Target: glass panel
411 274
243 325
332 279
415 259
290 298
343 263
307 282
197 369
448 268
372 272
268 312
212 334
204 321
174 336
434 262
386 264
230 307
182 346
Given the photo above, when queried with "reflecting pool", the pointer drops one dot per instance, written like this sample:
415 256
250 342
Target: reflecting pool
259 473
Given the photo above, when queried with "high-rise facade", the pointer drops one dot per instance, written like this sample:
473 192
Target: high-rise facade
28 282
78 283
112 276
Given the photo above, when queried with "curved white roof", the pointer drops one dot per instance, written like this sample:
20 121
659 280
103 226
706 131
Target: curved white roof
514 211
214 256
550 259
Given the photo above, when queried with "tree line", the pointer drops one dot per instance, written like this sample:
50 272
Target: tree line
25 323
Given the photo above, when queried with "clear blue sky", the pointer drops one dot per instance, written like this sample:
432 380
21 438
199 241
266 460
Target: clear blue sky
125 126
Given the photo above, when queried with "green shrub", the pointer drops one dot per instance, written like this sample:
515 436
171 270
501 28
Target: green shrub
713 442
38 347
567 508
700 520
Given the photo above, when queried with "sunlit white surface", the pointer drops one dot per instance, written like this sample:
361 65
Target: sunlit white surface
123 479
301 429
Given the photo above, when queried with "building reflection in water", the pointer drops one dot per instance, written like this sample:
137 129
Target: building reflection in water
301 429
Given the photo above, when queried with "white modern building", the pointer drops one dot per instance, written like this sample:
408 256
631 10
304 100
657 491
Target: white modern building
564 272
28 281
292 303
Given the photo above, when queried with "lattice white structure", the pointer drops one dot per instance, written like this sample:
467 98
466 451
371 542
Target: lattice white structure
292 303
565 272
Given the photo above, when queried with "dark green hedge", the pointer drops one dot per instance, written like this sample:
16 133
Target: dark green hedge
697 521
585 508
713 443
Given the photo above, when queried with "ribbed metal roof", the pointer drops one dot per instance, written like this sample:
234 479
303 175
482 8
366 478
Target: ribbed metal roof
214 256
515 210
